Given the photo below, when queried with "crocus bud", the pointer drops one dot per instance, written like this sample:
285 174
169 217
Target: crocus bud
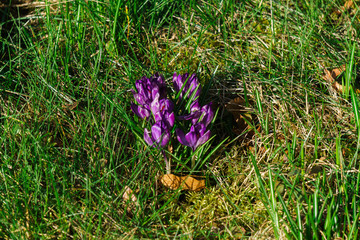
183 84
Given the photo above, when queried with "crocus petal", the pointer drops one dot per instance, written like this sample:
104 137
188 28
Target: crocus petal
160 82
155 106
168 105
144 112
158 79
149 89
176 82
155 92
195 106
139 86
208 114
140 111
171 119
162 111
139 99
134 108
195 113
192 84
181 137
203 139
147 137
165 138
192 116
156 132
192 137
199 128
160 133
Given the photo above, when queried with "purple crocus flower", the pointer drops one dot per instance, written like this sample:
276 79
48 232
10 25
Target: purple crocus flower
163 111
194 112
148 89
160 135
182 81
142 112
196 137
159 81
205 113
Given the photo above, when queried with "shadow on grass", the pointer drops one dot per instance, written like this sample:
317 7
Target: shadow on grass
11 12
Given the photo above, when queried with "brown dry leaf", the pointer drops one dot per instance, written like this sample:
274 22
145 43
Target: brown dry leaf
129 195
237 108
192 184
348 4
185 183
171 181
330 77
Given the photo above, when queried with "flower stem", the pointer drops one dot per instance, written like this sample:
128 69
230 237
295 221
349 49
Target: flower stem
167 163
193 161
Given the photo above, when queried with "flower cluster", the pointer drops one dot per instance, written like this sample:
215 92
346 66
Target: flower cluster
200 116
153 104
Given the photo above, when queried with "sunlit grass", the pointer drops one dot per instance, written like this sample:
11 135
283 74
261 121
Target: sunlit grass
70 145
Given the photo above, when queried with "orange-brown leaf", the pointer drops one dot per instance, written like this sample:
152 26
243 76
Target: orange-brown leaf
330 77
185 183
348 4
192 184
171 181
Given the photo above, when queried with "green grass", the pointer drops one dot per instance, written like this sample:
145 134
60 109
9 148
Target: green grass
69 143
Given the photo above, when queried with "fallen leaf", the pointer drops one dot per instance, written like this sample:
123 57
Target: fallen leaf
171 181
348 4
185 183
129 195
241 115
330 77
192 184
